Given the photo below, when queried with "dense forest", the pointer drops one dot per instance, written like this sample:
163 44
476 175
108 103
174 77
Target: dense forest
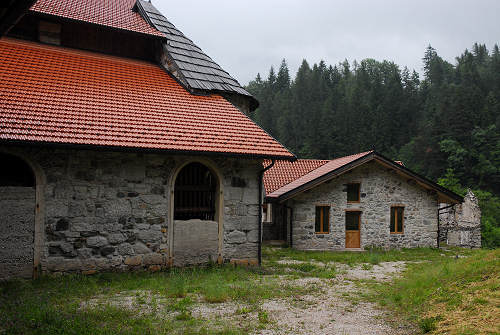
445 126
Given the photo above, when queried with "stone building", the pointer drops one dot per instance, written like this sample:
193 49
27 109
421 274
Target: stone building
354 202
123 145
460 225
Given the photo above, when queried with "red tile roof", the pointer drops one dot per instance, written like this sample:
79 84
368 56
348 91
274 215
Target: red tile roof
328 167
56 95
111 13
284 172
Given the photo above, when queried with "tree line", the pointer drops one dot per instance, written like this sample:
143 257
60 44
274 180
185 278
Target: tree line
445 126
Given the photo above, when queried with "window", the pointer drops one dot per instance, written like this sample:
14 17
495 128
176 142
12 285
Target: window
322 225
352 220
267 213
49 32
353 192
195 193
15 172
397 216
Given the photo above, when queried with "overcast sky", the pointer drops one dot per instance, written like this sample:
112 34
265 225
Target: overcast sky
247 37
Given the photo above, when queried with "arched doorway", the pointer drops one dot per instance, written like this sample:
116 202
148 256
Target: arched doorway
196 215
17 217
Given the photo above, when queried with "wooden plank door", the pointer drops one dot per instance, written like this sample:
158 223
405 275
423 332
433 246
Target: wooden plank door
352 229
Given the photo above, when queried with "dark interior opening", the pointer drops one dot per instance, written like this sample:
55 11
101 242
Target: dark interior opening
195 193
15 172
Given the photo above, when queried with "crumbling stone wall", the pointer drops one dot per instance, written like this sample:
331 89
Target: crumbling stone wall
109 210
380 188
460 225
17 226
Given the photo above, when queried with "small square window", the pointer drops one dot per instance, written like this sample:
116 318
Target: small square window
49 32
397 219
353 192
322 225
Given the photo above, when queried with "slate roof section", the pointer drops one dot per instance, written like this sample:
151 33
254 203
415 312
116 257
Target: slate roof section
56 95
284 172
198 69
117 14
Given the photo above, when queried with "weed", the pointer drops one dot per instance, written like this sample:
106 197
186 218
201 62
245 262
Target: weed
428 325
184 316
263 317
367 266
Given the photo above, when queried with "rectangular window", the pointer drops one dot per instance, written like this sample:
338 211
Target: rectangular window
352 220
397 216
353 191
267 213
49 32
322 225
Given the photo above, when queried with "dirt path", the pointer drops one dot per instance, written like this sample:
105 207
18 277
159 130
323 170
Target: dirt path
332 306
336 308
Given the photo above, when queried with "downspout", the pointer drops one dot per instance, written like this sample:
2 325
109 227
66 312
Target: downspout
261 178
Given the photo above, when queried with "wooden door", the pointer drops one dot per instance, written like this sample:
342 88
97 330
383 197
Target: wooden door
352 229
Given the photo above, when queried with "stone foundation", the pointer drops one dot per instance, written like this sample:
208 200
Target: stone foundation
110 210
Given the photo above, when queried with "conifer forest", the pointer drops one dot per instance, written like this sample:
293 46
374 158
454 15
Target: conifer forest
443 124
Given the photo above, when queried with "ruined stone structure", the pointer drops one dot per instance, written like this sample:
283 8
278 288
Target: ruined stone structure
460 225
110 211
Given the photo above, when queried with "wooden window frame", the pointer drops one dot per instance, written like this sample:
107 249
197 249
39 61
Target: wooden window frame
321 220
359 193
195 193
359 217
396 232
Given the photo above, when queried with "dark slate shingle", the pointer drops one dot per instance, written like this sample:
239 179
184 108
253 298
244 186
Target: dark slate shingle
199 70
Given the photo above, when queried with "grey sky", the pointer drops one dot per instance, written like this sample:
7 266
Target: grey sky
246 37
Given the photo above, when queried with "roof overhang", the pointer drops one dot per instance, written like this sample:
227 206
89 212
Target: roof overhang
444 195
111 148
11 12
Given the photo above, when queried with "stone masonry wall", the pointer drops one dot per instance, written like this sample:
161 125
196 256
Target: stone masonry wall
17 225
109 210
380 188
460 225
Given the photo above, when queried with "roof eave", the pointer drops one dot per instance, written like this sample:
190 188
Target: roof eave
13 13
144 150
449 195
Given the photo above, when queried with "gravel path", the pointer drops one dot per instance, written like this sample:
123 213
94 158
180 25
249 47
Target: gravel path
336 310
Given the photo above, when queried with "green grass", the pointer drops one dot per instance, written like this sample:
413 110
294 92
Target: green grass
448 295
51 305
163 303
371 256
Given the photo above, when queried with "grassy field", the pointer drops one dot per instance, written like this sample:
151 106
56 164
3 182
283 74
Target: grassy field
448 295
438 291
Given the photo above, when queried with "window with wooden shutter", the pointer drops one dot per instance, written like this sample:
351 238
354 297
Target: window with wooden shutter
322 224
353 192
397 219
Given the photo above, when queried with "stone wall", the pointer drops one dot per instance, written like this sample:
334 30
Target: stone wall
195 242
17 226
380 188
460 225
110 210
